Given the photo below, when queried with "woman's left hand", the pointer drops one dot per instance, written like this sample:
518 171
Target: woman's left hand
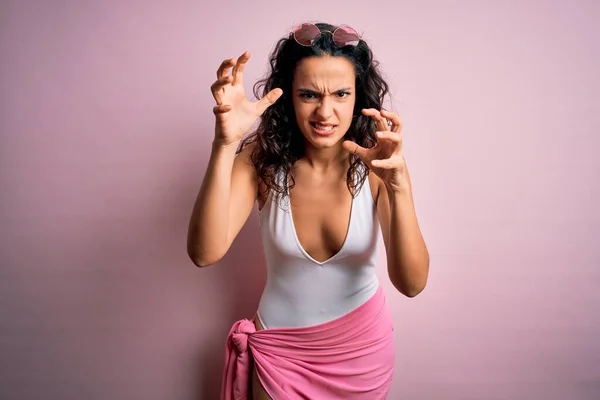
386 159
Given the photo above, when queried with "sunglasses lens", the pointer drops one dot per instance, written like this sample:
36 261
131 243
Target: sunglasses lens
346 36
305 33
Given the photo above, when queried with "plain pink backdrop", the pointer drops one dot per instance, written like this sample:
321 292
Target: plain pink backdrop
106 123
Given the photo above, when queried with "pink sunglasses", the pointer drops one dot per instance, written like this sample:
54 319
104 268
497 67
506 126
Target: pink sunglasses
305 34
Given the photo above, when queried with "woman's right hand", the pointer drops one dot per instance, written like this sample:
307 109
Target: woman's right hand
235 114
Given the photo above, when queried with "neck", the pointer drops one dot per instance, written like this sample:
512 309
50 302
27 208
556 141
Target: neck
322 160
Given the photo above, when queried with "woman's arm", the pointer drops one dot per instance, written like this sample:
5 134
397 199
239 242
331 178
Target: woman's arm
223 205
407 254
229 188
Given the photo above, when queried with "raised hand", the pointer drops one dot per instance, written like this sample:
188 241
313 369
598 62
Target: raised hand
235 114
386 159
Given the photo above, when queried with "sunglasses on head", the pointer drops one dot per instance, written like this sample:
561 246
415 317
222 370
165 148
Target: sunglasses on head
306 34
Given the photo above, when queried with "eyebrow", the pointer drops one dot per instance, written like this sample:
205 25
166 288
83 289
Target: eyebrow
311 91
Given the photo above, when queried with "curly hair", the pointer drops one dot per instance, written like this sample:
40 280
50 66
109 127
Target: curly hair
279 141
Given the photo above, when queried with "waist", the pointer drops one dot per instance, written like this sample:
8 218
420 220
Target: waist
297 304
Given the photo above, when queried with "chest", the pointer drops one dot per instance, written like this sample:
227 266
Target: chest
322 220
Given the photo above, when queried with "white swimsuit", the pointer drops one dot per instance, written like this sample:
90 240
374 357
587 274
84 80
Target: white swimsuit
301 291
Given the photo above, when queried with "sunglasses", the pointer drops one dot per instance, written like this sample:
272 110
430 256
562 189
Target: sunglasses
306 34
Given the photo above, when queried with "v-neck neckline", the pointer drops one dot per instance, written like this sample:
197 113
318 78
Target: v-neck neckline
297 239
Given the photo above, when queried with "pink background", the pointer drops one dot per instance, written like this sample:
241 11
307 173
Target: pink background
106 122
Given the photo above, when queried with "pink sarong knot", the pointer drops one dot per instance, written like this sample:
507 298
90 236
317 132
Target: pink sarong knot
241 330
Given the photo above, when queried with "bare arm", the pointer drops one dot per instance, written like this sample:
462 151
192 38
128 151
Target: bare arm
230 187
223 205
407 254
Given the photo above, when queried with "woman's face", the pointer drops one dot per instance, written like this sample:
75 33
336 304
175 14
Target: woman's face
323 98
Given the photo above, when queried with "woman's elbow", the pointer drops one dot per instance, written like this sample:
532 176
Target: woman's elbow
410 287
413 291
200 259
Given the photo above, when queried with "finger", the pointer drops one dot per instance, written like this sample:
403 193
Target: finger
376 115
216 88
369 112
268 100
238 69
224 68
354 148
394 119
395 137
221 109
388 163
392 141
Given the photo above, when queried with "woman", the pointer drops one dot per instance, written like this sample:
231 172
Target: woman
325 167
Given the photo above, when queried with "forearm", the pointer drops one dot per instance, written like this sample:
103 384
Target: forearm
407 255
209 222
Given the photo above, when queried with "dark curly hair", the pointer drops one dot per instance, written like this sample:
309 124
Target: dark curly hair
279 141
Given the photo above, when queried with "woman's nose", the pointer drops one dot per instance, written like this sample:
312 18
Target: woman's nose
325 108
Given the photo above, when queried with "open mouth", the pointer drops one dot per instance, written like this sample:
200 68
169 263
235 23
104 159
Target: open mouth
321 129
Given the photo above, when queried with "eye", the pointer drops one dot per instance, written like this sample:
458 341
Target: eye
342 95
307 95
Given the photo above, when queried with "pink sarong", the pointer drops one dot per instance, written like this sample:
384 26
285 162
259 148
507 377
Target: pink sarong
351 357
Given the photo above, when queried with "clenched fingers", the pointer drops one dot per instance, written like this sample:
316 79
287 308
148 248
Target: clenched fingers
225 66
395 137
382 124
217 87
394 119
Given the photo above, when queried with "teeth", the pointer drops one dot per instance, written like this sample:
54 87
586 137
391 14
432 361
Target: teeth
324 127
